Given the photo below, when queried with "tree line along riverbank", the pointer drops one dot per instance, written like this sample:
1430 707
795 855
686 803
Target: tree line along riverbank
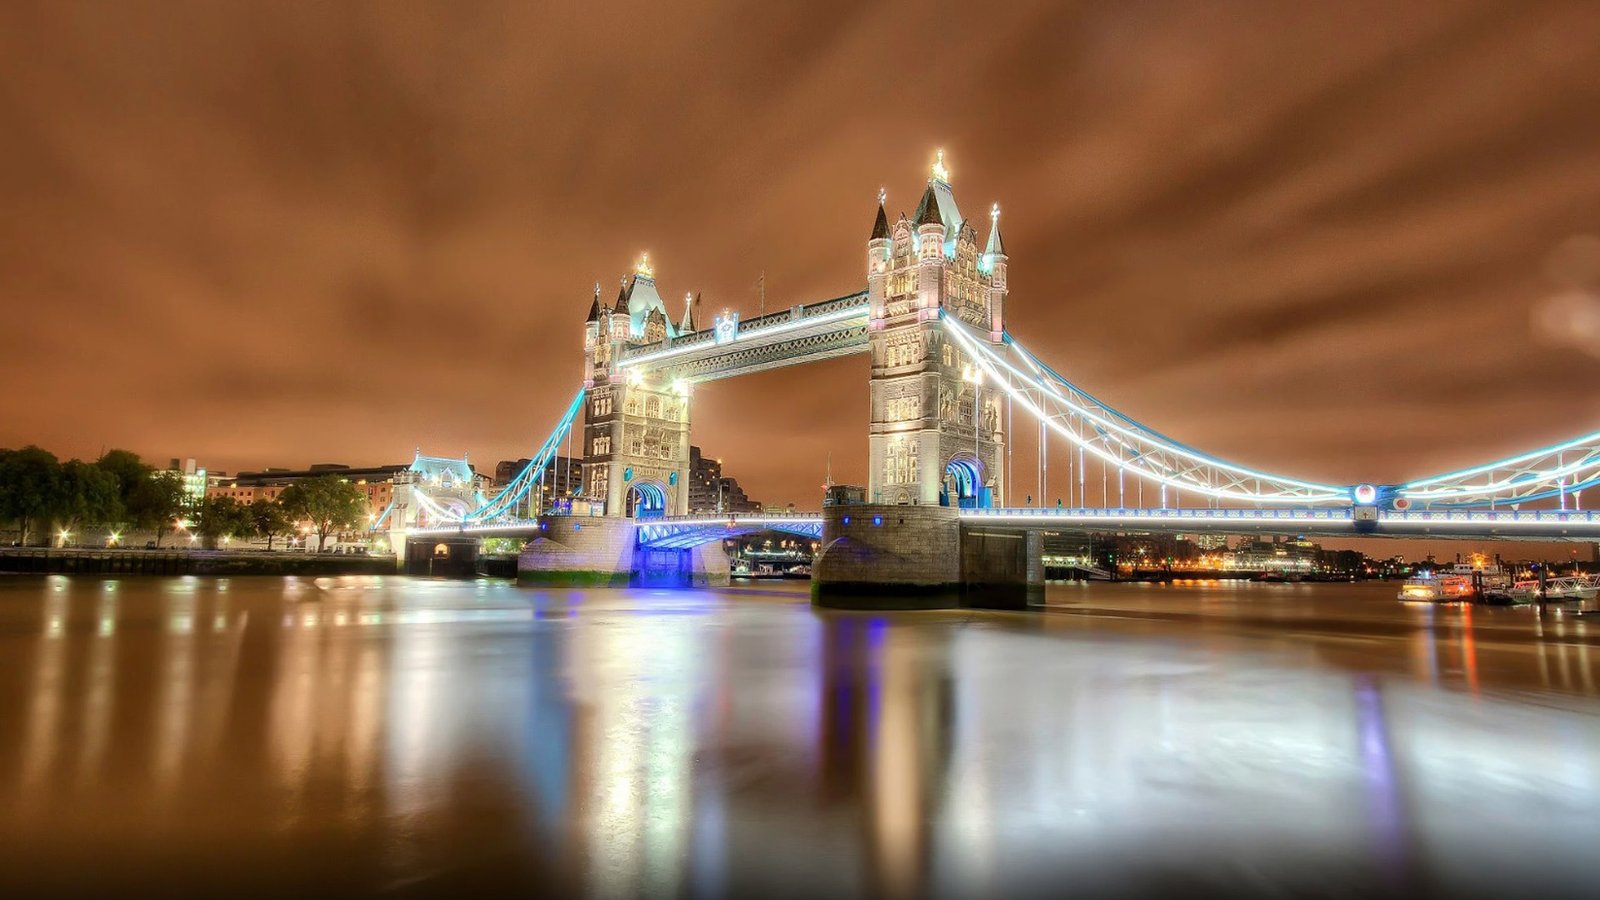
39 560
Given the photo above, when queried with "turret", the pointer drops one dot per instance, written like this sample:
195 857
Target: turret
620 329
595 348
994 264
880 248
686 325
930 250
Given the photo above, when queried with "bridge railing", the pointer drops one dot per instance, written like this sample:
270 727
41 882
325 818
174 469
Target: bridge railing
734 518
750 327
1491 515
1200 514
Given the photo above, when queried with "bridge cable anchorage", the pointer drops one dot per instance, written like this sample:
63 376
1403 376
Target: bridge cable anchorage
496 508
506 501
1117 440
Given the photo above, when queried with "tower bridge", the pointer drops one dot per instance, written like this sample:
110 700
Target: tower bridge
948 384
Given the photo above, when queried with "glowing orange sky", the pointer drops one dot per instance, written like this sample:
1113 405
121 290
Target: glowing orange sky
1346 241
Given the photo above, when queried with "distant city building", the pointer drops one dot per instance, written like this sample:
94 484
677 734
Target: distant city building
1210 542
844 495
562 476
195 480
704 475
1276 556
247 487
711 491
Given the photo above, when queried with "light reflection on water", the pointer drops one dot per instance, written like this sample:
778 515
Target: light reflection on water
360 734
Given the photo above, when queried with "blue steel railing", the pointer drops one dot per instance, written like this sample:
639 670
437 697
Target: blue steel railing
1095 512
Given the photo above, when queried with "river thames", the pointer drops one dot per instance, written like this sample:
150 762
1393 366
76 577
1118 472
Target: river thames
245 736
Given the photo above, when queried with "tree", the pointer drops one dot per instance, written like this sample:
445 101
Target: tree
269 520
156 501
127 469
30 488
220 517
130 473
328 502
90 496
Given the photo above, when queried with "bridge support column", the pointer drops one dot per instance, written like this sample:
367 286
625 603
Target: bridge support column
703 566
450 557
888 557
921 557
1002 568
579 551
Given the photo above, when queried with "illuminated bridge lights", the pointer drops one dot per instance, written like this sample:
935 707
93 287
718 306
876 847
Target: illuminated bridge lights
1557 474
685 532
503 503
1120 441
830 312
690 531
1466 523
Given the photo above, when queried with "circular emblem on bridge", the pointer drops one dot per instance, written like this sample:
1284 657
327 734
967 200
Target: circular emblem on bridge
1365 493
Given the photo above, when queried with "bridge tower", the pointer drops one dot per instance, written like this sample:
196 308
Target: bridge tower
936 435
636 428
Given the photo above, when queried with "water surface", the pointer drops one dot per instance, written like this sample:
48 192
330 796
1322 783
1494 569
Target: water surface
414 737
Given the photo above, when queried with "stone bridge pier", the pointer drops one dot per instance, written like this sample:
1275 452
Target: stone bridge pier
923 557
604 551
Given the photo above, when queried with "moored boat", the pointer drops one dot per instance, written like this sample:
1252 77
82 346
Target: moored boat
1460 582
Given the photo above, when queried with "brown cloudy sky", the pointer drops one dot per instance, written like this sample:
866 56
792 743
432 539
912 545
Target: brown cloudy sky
1347 241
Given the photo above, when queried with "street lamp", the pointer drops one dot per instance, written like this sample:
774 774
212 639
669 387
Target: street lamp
974 376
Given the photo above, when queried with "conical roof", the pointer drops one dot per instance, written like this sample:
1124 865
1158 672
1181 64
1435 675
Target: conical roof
880 225
996 247
621 305
687 325
928 209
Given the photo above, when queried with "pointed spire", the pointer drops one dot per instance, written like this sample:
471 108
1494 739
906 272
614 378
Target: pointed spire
938 172
928 209
996 246
690 301
622 299
880 225
644 268
594 308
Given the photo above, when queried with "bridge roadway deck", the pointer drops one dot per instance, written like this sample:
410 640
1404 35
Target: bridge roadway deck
1480 524
800 334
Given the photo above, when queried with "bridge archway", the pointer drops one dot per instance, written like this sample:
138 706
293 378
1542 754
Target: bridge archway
681 535
964 483
647 500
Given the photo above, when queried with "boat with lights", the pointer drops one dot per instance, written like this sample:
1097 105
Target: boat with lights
1459 583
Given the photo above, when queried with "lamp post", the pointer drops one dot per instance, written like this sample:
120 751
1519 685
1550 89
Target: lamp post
974 375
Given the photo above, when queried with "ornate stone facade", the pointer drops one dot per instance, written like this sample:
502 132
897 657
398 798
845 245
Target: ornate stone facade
936 432
636 428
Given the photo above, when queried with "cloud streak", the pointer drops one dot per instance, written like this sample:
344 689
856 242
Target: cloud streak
1314 238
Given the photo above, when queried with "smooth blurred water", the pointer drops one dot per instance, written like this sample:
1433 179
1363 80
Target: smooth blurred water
361 735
